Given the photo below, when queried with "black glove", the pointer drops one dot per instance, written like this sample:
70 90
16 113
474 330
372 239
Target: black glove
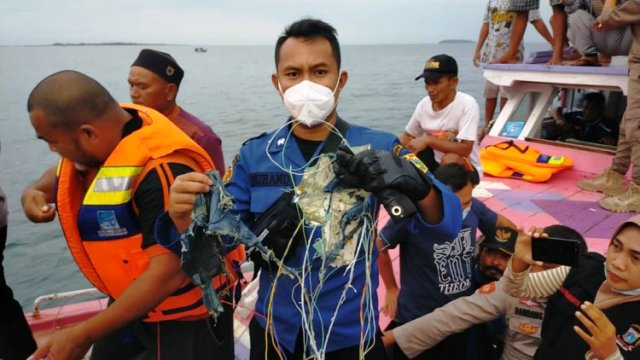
375 170
398 205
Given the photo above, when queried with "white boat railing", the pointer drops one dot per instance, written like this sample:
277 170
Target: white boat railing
62 296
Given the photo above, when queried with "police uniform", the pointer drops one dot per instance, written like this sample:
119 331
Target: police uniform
489 302
256 179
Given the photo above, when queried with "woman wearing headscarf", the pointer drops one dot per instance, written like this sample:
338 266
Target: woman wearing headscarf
593 310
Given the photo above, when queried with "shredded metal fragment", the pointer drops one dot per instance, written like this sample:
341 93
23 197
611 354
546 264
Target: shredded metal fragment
212 232
341 212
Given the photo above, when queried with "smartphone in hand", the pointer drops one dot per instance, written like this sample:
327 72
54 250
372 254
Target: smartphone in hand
555 250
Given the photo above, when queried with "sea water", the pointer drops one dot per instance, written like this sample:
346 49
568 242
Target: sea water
228 87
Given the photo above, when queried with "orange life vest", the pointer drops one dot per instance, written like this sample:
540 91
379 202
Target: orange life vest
101 225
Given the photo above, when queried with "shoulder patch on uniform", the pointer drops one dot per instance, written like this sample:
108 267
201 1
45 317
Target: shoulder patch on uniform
253 138
487 288
416 162
229 172
397 149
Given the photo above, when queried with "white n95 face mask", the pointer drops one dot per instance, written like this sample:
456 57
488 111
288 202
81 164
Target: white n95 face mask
308 102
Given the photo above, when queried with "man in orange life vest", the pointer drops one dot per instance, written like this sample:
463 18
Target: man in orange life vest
118 162
154 80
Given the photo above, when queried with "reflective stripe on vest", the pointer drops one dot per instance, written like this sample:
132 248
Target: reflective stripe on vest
112 186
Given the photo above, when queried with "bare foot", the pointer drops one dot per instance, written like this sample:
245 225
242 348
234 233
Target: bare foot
570 54
604 60
506 60
584 61
555 61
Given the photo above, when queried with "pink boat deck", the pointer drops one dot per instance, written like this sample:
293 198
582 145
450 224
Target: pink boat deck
558 201
48 321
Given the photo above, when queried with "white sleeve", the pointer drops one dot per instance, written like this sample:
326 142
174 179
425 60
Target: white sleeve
487 303
536 285
534 15
615 356
414 128
468 123
485 17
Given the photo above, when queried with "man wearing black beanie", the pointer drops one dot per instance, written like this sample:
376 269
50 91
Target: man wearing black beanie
154 80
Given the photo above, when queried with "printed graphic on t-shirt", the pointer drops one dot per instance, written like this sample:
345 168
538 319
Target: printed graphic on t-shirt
443 134
453 262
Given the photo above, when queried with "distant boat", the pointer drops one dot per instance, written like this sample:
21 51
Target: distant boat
200 50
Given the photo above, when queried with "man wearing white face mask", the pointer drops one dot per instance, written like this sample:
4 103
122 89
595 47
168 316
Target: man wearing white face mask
309 103
324 310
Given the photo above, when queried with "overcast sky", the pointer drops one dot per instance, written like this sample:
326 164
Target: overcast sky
238 22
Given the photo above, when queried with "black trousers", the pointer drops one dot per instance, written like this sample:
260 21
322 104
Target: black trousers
428 157
171 340
16 341
256 333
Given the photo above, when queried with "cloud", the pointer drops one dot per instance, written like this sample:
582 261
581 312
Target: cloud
240 22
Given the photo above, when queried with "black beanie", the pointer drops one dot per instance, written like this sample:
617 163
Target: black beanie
161 64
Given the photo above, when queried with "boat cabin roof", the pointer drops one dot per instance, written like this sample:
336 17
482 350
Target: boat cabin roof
531 89
605 77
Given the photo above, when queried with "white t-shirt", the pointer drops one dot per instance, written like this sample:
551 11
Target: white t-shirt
458 121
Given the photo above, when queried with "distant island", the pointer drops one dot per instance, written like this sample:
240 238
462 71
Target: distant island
114 43
455 41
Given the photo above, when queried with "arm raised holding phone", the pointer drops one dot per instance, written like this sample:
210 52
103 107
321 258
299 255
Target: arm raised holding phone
558 251
519 282
585 314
